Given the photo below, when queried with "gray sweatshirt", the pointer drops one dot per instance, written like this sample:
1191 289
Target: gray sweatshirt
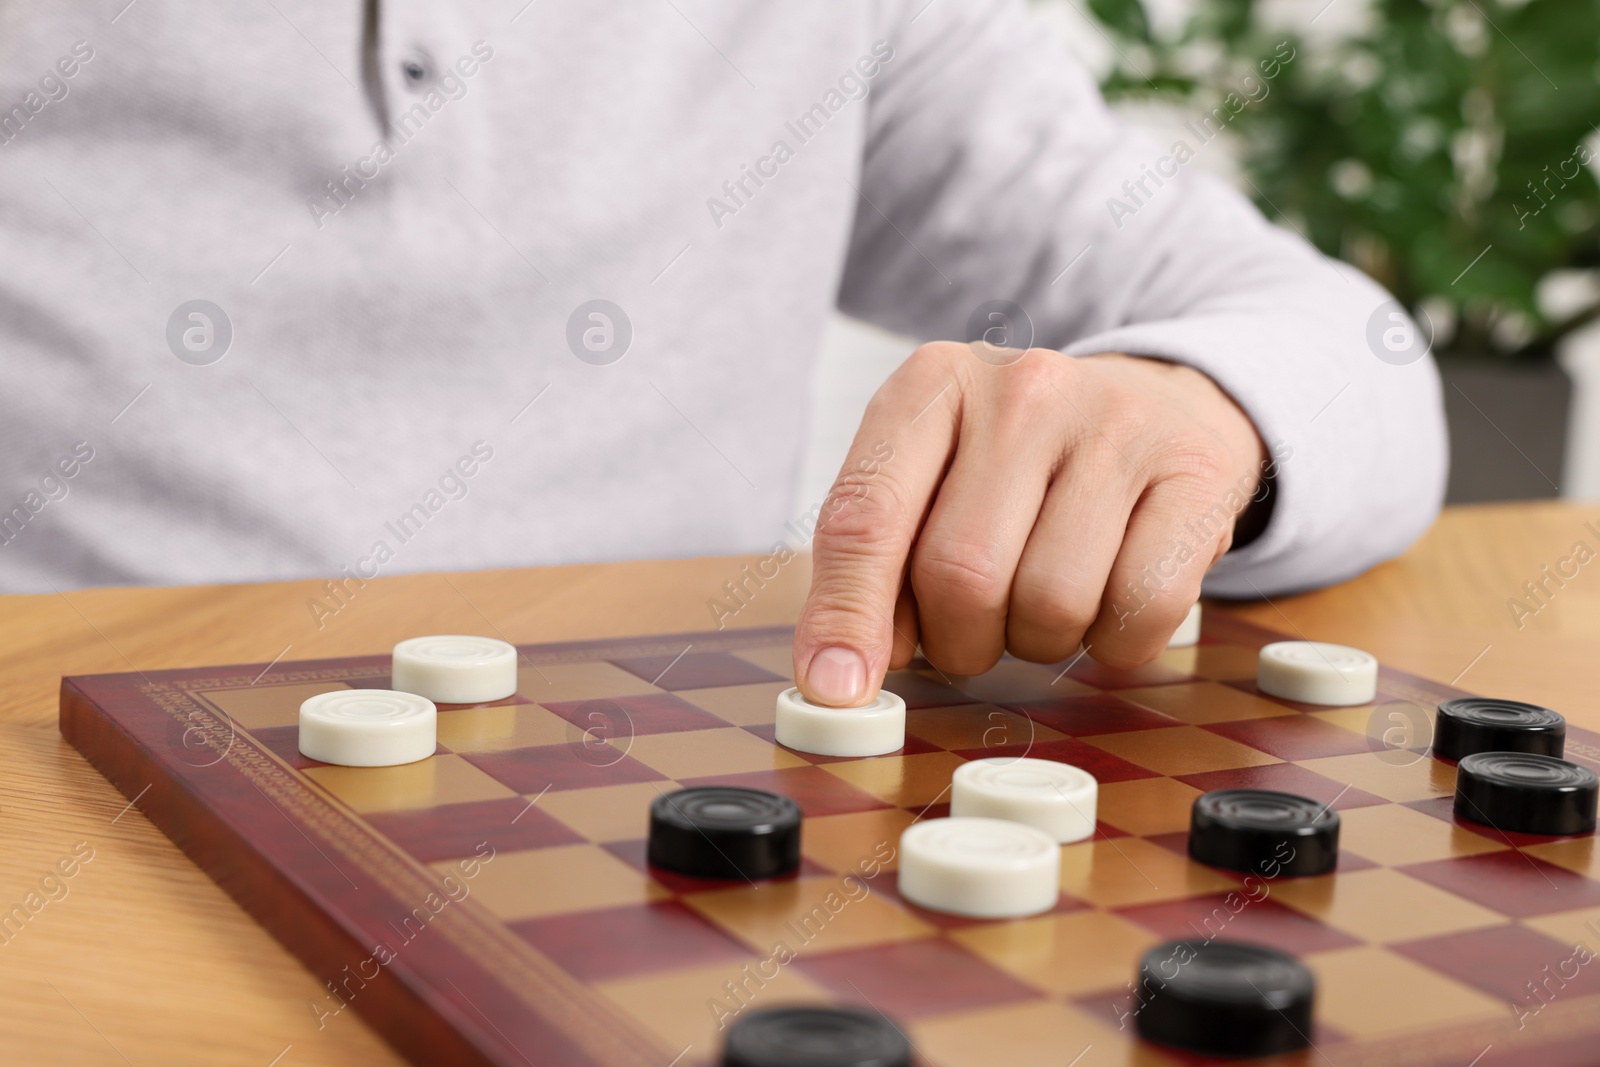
319 287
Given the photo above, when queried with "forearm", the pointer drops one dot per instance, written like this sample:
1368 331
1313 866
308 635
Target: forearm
1010 179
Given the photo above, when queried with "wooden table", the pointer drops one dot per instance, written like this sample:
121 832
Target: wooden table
145 961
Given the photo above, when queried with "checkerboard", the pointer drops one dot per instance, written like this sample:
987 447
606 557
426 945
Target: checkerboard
492 904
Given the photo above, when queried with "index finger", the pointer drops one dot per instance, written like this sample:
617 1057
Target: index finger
865 530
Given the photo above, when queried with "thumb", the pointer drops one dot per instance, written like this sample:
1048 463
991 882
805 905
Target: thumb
846 629
846 632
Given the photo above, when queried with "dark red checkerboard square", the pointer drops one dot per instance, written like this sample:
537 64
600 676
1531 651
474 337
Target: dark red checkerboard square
454 830
696 670
573 766
1502 960
647 713
914 746
1103 765
1252 916
1097 713
1292 737
285 741
636 854
814 789
637 939
1114 1007
1285 778
913 978
920 691
1511 882
1556 1052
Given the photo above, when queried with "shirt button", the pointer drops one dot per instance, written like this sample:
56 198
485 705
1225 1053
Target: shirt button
417 68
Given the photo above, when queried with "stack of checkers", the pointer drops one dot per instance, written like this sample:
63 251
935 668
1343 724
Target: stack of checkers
1509 773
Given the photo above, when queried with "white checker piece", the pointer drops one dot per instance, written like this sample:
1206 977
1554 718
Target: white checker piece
1315 672
870 730
368 728
1056 798
455 668
981 868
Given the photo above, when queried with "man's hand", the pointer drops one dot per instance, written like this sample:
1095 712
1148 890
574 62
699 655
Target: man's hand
1027 502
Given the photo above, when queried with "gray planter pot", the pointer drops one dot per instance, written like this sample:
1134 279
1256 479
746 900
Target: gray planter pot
1508 428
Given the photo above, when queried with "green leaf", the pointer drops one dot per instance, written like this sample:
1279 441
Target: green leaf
1127 17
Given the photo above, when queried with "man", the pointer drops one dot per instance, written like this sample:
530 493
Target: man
354 288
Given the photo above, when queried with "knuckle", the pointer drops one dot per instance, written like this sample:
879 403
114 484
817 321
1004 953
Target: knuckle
852 543
1198 460
925 374
1158 590
1128 418
935 359
838 608
1033 382
1052 604
858 488
859 517
842 607
960 573
941 351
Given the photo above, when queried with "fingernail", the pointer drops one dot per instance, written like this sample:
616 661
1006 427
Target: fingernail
838 677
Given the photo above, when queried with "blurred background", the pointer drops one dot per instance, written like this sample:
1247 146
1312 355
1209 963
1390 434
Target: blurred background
1407 137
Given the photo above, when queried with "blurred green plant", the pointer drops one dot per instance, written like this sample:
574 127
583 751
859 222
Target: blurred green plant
1439 129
